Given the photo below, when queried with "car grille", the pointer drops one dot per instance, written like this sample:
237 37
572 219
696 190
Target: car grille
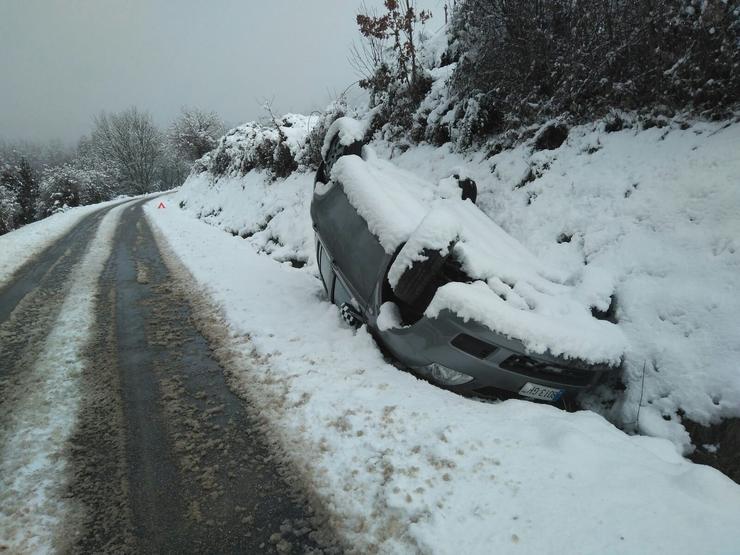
473 346
550 372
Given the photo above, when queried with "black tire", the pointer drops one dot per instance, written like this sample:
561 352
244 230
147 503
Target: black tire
415 282
335 151
469 189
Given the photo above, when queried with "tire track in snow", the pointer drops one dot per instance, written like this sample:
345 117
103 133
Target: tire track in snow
30 306
33 438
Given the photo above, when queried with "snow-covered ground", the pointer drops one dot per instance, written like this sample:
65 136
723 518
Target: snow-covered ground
272 217
33 445
404 466
654 212
19 246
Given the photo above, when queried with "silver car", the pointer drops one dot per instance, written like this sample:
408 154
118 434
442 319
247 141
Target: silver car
460 355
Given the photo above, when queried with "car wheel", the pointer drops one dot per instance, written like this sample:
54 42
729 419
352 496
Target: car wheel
335 151
416 280
468 188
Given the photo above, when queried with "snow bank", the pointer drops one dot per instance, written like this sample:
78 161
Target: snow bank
513 294
651 215
406 467
655 212
234 188
20 245
270 216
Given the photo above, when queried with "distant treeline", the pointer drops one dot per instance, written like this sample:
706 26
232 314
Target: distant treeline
125 154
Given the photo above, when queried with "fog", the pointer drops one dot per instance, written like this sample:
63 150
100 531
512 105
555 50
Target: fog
62 61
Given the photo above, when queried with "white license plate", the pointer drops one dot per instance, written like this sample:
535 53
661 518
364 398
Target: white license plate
536 391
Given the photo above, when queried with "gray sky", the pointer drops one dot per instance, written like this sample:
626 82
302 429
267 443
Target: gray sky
62 61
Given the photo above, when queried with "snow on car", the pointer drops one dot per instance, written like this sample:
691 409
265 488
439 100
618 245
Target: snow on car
445 290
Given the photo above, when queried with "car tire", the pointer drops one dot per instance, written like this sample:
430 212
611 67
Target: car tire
414 283
335 151
469 189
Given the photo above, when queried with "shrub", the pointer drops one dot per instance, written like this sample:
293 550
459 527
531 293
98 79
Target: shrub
527 61
276 147
311 155
67 186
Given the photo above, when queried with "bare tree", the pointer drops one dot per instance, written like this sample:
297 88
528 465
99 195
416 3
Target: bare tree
398 24
195 132
369 54
131 141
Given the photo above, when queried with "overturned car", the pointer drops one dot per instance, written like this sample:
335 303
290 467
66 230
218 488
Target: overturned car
444 289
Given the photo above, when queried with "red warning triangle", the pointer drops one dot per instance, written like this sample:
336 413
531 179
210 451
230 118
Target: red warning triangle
161 205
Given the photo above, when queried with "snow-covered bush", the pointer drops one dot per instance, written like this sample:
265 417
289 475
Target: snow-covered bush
195 132
522 62
276 147
67 186
311 157
504 65
391 61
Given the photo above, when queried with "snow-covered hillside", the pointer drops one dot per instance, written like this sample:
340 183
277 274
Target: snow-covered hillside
406 466
656 210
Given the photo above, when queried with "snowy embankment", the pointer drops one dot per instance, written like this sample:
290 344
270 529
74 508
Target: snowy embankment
271 217
33 445
19 246
403 465
656 212
652 211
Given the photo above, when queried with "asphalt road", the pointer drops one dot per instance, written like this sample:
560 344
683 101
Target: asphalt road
164 457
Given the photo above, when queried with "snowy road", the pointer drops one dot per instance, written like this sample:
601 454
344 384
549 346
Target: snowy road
118 432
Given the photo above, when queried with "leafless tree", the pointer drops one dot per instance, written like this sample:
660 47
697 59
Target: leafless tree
367 55
397 24
195 132
131 141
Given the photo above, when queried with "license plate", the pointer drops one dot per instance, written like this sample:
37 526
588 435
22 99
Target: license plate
536 391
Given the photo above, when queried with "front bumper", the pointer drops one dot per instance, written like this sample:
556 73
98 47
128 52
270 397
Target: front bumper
502 366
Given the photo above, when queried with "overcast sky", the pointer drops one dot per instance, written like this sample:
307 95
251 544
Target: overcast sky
62 61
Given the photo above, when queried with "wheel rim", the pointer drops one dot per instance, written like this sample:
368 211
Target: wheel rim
334 154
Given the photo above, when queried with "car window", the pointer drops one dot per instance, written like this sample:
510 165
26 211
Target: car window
327 273
341 295
356 252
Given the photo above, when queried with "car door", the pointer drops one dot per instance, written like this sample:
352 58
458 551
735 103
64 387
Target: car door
355 253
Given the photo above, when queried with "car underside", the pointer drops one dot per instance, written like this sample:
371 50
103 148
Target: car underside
455 352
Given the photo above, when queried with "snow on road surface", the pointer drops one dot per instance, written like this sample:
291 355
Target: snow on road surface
20 245
406 467
33 465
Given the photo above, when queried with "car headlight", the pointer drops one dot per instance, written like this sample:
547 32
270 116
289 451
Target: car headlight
447 376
